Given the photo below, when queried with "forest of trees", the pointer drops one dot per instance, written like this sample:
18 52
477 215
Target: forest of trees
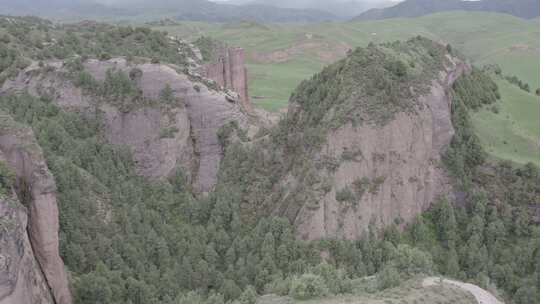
128 240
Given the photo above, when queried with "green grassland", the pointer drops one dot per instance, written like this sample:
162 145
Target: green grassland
514 132
280 56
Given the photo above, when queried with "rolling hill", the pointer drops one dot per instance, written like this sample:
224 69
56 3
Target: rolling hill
342 8
194 10
415 8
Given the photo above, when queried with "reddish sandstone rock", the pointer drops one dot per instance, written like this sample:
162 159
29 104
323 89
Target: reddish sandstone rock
163 138
36 189
229 72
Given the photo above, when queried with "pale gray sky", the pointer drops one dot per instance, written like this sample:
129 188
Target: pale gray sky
329 1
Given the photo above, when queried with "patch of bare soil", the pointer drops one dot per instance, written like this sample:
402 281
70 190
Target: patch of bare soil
323 50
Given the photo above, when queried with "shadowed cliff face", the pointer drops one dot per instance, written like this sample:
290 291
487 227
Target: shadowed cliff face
35 271
162 137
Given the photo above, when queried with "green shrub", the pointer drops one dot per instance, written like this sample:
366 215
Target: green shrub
518 82
168 132
135 74
376 184
308 286
336 280
249 296
86 81
345 195
410 261
167 94
279 286
105 56
208 47
398 67
388 278
7 179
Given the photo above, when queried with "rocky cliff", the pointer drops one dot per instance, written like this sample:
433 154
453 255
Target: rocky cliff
229 72
394 172
31 270
387 172
163 135
361 144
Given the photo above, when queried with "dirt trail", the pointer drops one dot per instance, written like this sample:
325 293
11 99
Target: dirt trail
481 295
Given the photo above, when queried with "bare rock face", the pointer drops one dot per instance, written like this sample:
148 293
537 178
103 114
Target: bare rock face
31 268
162 138
395 170
21 280
229 72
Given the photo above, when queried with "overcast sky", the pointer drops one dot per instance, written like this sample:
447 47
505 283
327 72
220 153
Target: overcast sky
329 1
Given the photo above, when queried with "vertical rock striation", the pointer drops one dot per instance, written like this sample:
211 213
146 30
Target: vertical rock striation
36 190
394 170
229 72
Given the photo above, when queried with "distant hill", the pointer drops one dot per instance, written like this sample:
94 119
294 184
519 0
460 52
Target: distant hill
192 10
527 9
57 9
341 8
214 12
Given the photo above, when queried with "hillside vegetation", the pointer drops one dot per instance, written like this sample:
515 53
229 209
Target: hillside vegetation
511 129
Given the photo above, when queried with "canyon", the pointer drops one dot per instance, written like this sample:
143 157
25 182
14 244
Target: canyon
163 139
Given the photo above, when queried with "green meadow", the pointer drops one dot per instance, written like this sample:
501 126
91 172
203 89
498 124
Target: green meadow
512 131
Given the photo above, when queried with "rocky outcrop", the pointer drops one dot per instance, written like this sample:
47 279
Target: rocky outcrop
162 137
361 144
229 72
394 171
33 271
